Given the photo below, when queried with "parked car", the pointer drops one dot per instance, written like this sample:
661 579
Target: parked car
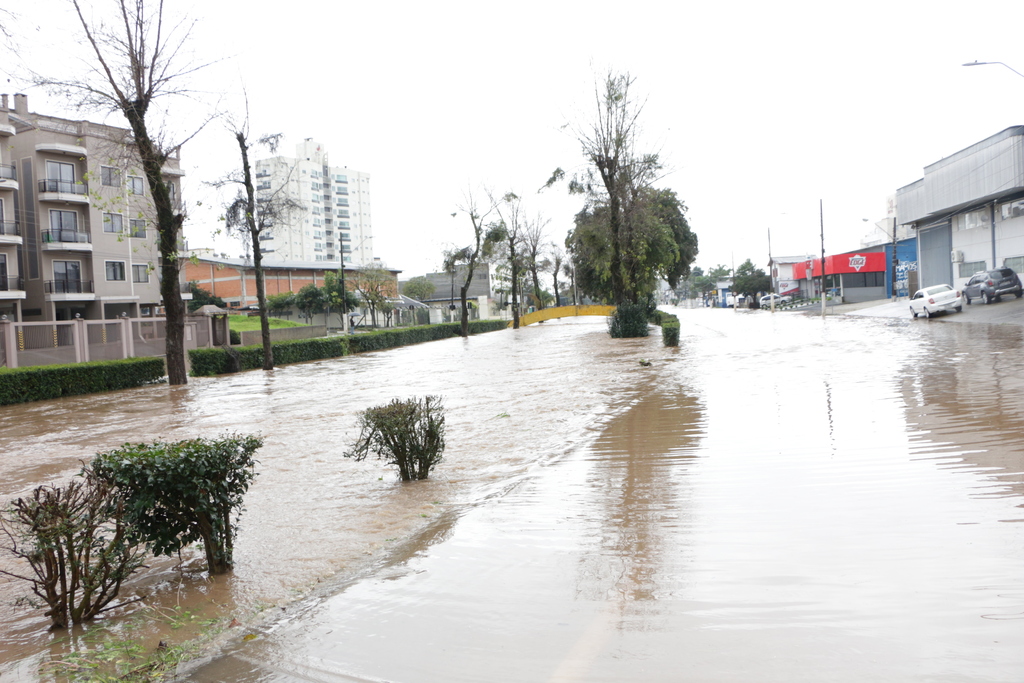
931 300
990 285
766 300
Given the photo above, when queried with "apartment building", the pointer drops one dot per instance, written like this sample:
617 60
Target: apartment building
77 227
330 216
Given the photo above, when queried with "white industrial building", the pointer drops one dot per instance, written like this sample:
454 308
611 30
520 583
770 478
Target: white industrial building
331 220
968 210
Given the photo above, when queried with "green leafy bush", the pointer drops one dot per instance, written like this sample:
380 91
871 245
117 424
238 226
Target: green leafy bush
408 434
74 539
36 383
669 327
629 320
183 492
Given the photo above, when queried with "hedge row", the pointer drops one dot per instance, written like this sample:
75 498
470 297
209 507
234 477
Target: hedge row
389 339
39 382
219 361
669 327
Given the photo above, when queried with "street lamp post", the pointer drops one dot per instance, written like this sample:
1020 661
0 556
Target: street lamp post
977 63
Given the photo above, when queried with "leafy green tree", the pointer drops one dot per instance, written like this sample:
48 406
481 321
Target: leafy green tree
661 246
310 300
75 540
749 280
202 297
419 288
183 492
279 303
408 434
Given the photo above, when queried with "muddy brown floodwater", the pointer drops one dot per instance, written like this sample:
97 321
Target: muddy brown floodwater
781 498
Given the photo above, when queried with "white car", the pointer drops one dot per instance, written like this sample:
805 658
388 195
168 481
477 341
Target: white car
766 300
931 300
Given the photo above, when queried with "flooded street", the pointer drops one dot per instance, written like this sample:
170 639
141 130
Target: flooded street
781 498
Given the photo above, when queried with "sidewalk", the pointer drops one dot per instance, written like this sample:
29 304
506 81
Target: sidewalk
1010 311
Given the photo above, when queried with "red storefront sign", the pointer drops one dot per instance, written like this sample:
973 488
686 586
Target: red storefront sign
873 262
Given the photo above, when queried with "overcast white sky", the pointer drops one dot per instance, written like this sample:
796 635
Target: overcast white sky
759 110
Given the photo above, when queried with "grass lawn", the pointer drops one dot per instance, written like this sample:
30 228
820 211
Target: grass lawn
243 323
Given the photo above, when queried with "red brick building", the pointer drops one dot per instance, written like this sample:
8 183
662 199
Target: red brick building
234 279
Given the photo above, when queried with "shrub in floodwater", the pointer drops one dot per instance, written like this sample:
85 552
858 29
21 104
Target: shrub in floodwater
408 434
76 542
184 492
629 320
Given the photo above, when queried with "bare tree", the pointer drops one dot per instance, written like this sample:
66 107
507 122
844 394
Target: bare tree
249 216
533 246
557 259
512 230
139 61
484 238
376 285
611 146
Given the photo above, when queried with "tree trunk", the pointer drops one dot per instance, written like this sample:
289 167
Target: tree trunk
257 256
168 225
536 286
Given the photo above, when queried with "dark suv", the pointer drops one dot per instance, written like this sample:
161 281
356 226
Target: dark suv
990 285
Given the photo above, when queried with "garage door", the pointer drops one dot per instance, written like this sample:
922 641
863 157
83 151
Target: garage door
935 241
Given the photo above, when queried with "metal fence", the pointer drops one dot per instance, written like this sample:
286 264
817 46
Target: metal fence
25 344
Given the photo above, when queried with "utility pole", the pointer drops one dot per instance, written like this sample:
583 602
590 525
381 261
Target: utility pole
771 269
821 213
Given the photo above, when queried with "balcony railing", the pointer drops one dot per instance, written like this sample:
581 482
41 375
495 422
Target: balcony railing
8 171
69 287
65 186
67 236
10 228
12 284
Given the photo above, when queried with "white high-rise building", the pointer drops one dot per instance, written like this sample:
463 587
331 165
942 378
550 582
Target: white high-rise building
333 223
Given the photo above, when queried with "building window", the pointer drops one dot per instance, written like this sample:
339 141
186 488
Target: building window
113 222
1012 210
341 201
115 271
971 220
63 220
110 176
67 277
341 178
136 185
61 172
970 268
172 191
137 227
140 273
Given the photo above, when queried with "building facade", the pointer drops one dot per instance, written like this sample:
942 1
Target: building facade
234 280
968 210
329 217
77 226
